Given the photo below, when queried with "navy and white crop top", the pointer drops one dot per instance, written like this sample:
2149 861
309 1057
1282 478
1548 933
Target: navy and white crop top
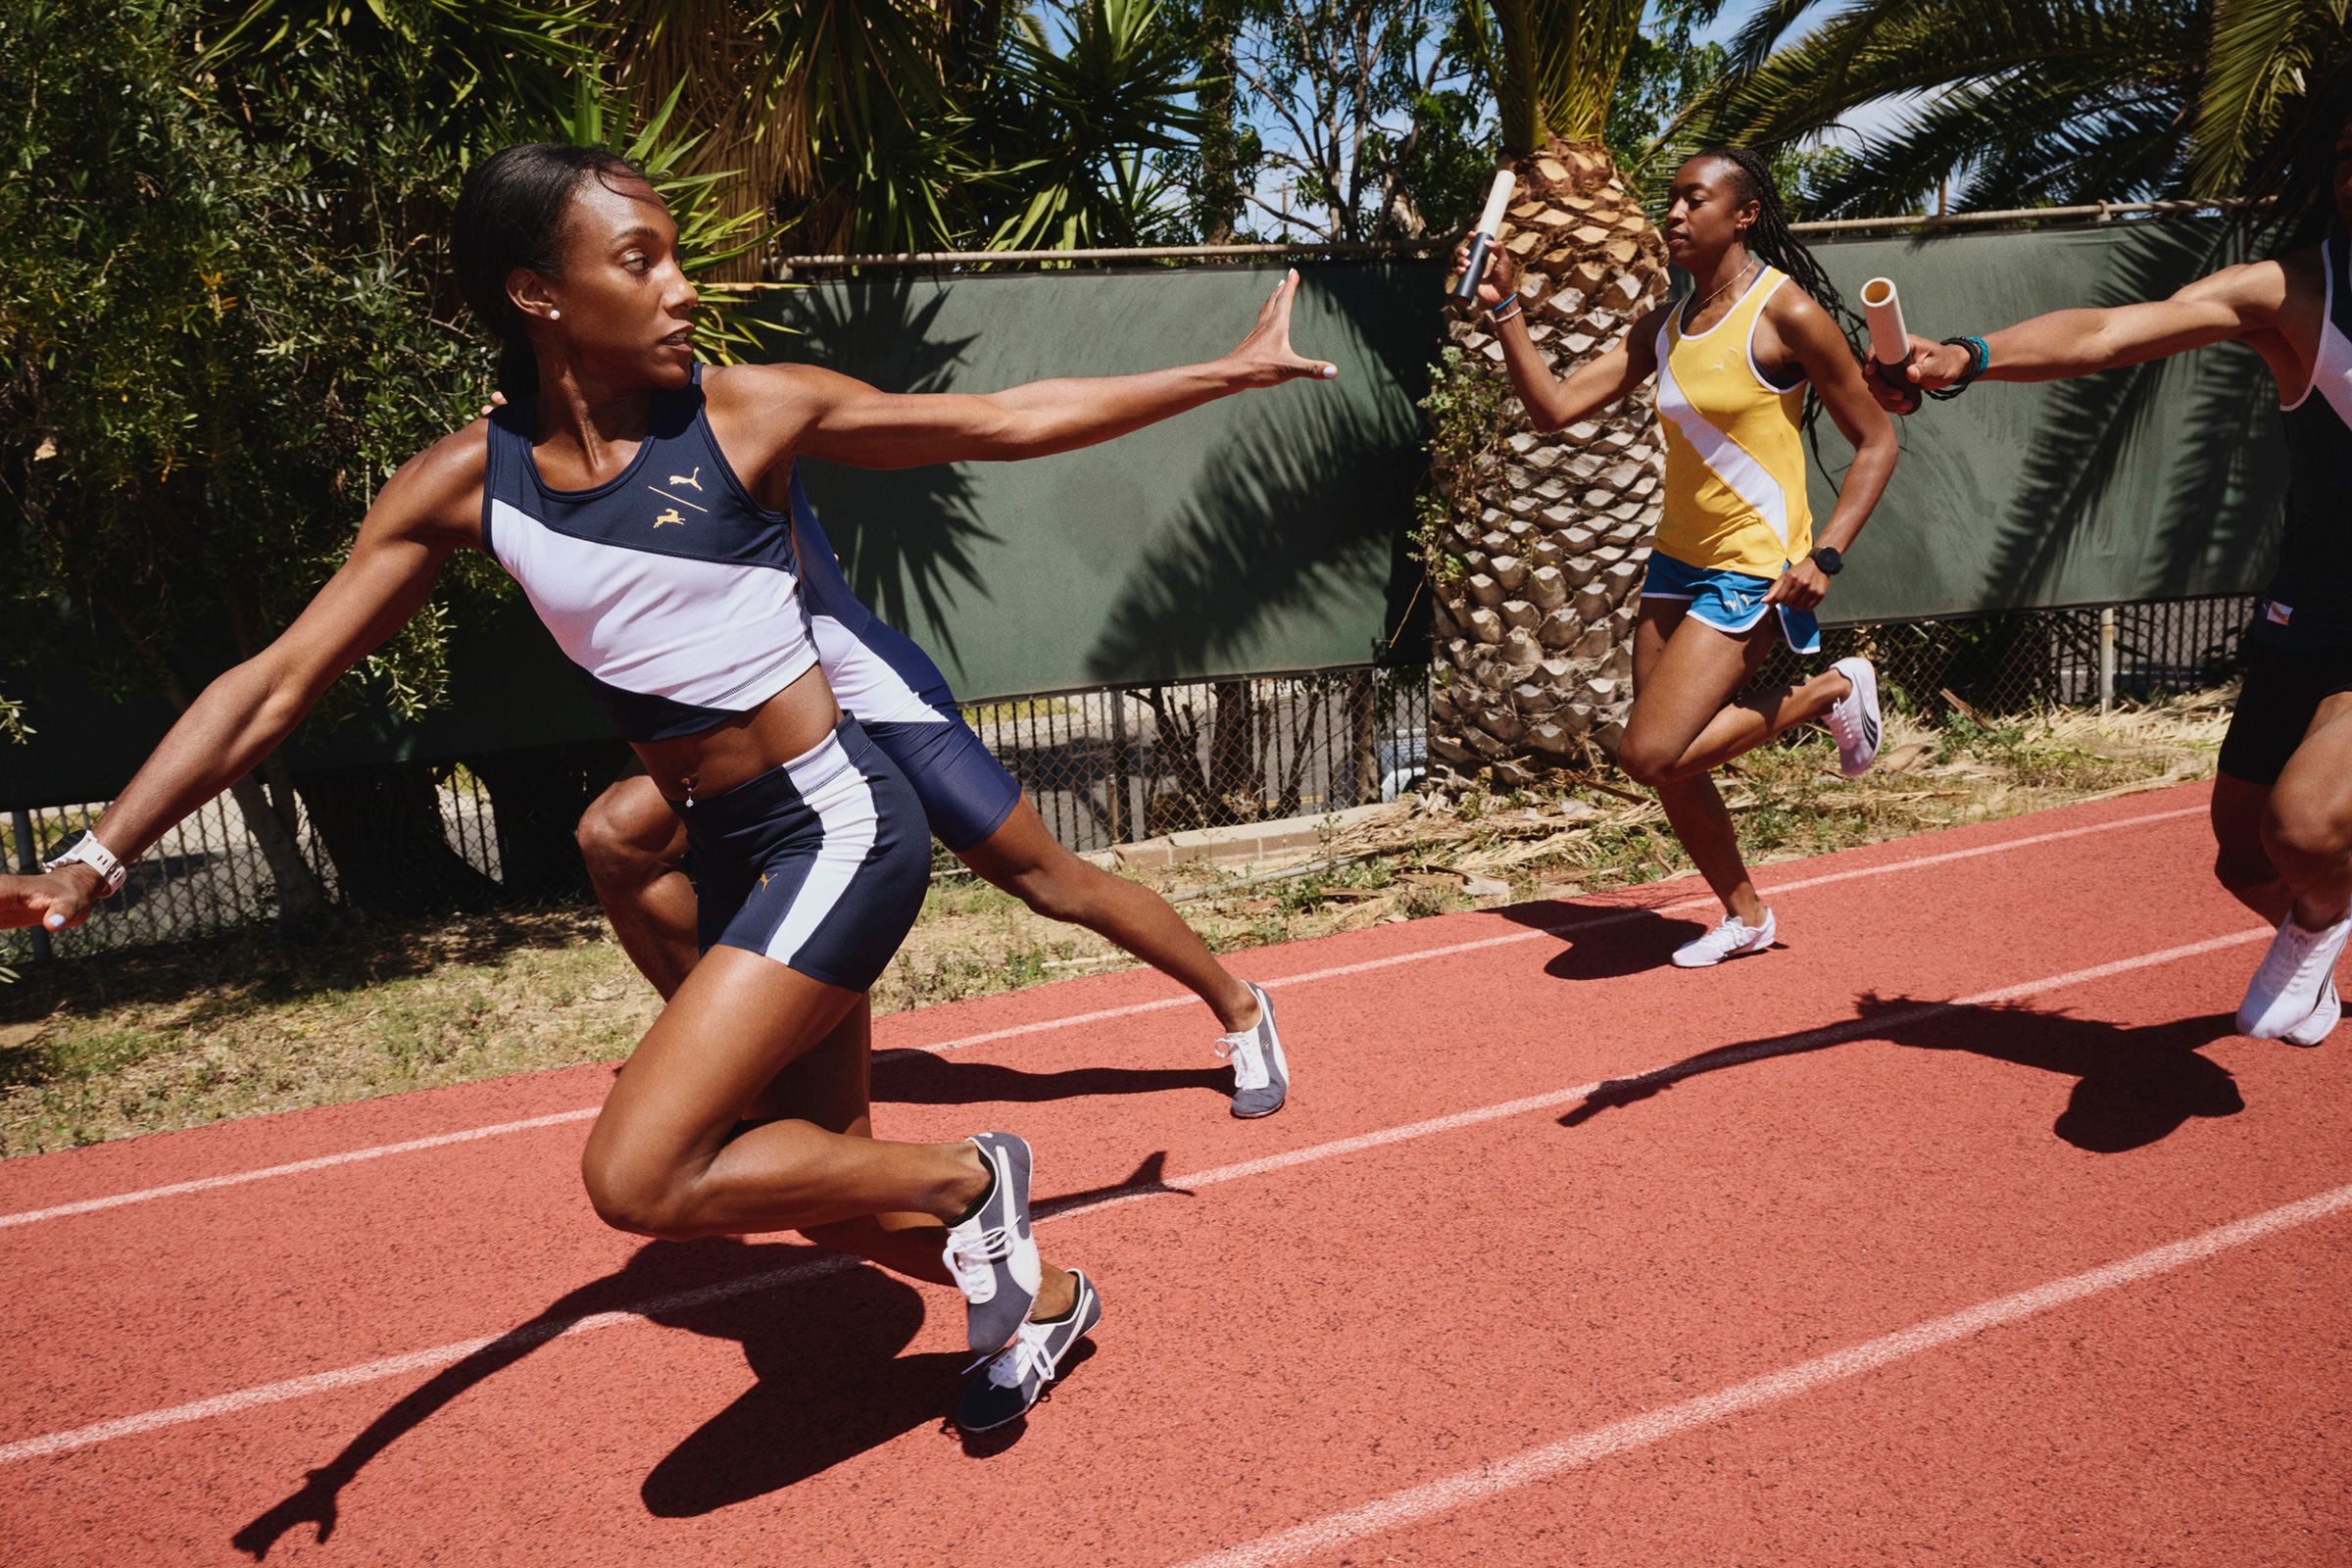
674 593
876 672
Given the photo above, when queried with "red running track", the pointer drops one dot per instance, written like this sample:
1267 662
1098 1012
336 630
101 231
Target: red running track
1959 1229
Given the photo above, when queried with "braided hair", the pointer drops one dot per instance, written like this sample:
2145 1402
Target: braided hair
1771 240
2288 195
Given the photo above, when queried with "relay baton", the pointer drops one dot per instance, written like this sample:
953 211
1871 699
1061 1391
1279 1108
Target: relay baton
1483 238
1889 344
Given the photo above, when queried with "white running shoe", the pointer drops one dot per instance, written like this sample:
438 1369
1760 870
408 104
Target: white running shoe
1730 940
1854 718
2287 990
2322 1023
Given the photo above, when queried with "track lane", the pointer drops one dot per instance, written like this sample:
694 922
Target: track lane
352 1263
1215 1436
1725 1207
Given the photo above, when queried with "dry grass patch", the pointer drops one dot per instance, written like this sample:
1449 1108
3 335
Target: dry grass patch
114 1045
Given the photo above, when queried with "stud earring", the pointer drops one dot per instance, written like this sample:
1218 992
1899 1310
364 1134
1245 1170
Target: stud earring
555 315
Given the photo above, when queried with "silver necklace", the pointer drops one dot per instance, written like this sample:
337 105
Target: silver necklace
1693 314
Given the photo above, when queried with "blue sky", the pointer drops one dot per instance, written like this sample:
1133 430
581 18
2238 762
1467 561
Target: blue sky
1735 15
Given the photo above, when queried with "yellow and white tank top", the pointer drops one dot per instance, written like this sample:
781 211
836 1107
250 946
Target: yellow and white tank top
1734 458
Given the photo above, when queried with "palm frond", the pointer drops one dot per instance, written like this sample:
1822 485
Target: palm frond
1557 63
2264 54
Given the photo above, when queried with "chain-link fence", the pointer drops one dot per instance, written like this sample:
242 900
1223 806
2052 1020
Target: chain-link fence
2024 661
1105 765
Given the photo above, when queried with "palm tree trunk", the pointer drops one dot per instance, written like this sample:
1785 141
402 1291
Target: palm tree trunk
1539 568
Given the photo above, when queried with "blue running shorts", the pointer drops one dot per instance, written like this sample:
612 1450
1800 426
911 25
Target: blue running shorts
965 792
1730 602
820 865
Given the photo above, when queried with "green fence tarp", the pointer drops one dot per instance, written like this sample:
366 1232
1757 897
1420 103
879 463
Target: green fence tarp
2163 481
1259 532
1268 530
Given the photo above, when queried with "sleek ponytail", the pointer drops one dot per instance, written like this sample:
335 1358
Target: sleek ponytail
512 211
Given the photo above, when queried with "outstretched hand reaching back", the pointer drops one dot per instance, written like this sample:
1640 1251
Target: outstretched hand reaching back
1264 355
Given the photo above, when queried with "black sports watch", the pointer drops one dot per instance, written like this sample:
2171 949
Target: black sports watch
1828 561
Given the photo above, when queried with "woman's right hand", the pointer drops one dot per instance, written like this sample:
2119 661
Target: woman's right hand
1501 281
53 900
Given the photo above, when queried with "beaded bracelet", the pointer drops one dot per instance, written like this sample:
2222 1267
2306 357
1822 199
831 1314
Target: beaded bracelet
1980 360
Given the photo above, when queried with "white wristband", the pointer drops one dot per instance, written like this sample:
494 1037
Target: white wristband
98 858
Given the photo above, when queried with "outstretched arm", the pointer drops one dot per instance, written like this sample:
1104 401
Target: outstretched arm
243 714
2238 303
848 421
1552 402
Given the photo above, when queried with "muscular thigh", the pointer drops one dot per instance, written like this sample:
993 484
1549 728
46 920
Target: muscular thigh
632 813
1686 672
2317 781
735 1027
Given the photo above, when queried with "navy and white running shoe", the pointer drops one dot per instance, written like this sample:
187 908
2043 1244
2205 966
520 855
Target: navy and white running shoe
1015 1376
993 1255
1854 718
1261 1075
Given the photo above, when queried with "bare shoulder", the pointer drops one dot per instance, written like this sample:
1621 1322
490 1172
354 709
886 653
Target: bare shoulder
1794 311
1643 339
438 492
768 390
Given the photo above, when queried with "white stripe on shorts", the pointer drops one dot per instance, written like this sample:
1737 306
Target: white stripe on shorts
845 808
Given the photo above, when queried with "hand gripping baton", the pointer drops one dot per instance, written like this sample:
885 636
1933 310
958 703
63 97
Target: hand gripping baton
1889 345
1482 239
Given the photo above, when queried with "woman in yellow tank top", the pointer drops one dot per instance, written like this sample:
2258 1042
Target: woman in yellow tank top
1736 563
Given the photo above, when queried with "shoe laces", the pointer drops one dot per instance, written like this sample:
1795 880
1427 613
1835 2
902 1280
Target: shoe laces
1845 718
1028 1355
972 1256
2288 956
1730 932
1249 1058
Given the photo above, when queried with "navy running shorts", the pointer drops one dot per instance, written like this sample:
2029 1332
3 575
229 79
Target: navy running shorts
967 793
820 865
2284 689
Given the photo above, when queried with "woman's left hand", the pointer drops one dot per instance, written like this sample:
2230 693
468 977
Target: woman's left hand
1264 356
1801 587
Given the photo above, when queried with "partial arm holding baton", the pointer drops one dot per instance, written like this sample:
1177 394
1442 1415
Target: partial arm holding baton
1889 344
1482 239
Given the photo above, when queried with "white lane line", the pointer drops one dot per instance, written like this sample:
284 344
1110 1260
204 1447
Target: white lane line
517 1341
538 1333
206 1183
1416 1504
1565 928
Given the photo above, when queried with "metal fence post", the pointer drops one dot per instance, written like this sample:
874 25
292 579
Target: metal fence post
29 863
2107 659
1122 808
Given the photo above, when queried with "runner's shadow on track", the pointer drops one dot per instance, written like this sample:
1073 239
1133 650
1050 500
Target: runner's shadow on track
822 1335
926 1078
1620 941
2134 1086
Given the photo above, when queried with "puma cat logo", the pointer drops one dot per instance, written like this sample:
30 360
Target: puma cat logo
694 479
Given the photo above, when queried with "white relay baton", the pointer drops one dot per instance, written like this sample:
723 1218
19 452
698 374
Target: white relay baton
1482 239
1889 345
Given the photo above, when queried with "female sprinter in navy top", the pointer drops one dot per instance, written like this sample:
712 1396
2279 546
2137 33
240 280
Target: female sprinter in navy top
644 510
